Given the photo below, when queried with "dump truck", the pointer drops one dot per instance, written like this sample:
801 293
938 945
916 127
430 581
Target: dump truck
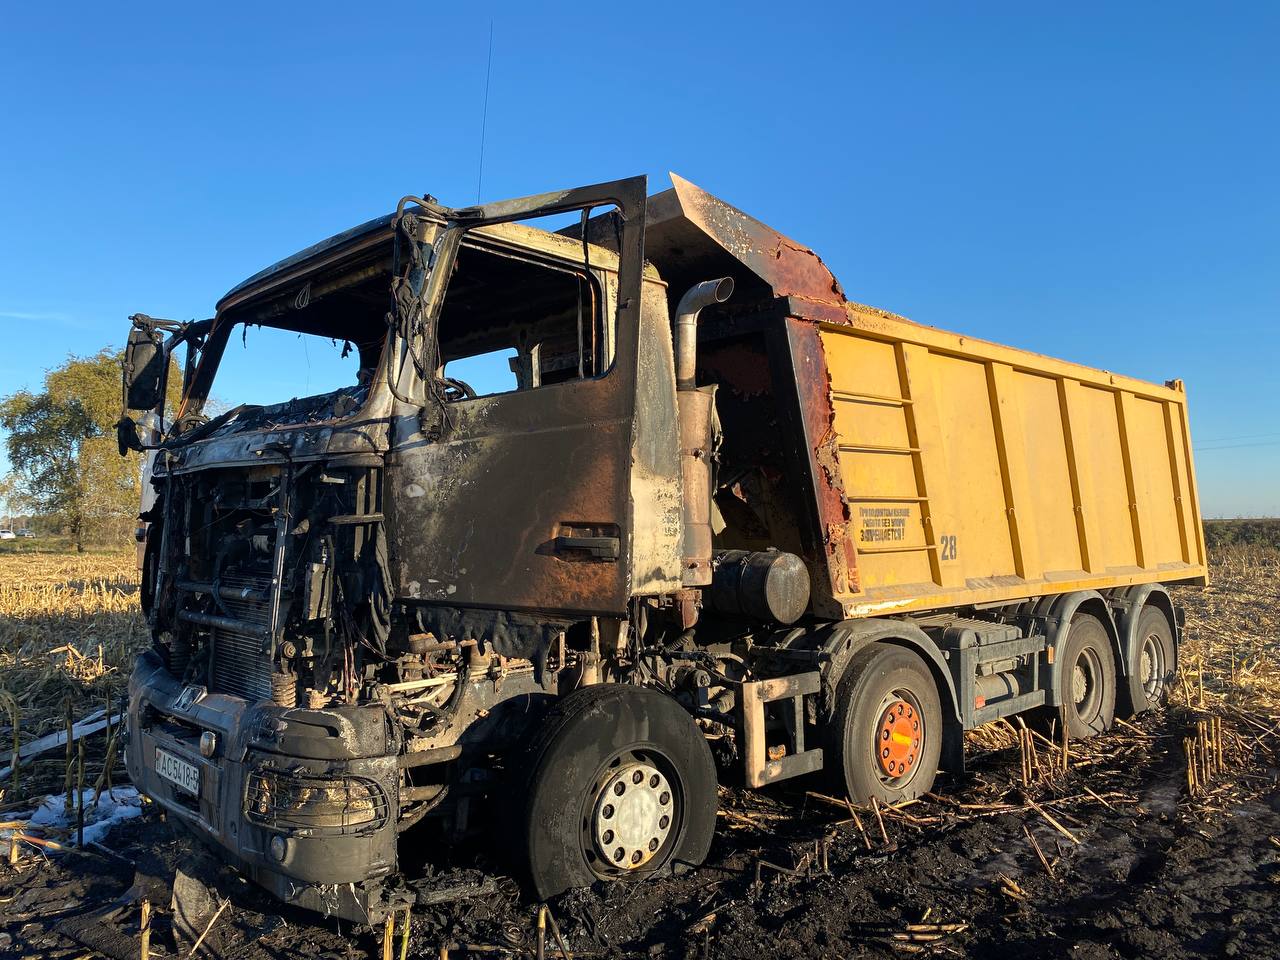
714 521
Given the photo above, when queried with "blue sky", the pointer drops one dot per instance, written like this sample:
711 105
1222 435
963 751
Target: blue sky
1097 182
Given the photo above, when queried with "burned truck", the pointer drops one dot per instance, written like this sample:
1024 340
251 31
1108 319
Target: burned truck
718 522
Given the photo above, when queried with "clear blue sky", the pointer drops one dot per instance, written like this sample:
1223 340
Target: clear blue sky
1097 182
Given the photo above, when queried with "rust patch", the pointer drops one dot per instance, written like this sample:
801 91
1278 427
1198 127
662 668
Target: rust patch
813 384
789 268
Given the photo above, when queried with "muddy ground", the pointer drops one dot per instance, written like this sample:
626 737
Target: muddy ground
1134 867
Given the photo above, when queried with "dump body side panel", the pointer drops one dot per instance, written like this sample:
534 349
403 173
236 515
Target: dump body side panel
978 473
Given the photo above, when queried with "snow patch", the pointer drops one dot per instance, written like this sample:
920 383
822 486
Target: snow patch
114 806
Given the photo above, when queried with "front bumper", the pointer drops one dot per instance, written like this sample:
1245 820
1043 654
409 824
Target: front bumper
304 802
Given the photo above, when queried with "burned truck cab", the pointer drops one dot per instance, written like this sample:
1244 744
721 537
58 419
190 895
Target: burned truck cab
362 601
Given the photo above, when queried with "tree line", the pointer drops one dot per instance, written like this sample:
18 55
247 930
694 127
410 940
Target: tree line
65 468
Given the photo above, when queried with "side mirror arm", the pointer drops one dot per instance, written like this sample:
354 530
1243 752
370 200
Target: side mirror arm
192 333
127 435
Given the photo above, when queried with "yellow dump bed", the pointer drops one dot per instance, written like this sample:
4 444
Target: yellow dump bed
977 473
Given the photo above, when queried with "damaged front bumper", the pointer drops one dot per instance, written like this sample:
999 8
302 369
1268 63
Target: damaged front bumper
304 802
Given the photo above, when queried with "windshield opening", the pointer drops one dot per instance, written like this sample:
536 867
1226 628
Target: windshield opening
310 350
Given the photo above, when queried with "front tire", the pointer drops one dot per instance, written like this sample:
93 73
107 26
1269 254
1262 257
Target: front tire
620 784
886 732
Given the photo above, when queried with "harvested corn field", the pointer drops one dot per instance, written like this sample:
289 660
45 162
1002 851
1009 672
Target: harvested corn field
1160 838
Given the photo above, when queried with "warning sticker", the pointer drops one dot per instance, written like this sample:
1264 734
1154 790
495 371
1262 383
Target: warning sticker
883 524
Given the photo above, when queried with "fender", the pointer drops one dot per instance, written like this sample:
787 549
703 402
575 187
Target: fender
1129 604
1056 613
847 637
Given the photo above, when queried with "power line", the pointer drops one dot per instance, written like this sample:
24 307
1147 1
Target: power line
484 114
1235 446
1243 437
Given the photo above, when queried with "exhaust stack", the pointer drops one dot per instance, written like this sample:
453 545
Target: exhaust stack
696 297
697 413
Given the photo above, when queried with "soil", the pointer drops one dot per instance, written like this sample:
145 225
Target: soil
1146 872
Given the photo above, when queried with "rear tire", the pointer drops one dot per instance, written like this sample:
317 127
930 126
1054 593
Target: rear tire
1088 678
885 736
1151 662
620 784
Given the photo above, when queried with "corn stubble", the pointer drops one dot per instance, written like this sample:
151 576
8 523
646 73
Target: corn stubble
70 626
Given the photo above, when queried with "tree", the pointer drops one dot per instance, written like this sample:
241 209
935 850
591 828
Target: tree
62 449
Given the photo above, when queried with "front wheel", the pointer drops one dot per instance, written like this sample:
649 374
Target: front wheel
620 784
886 732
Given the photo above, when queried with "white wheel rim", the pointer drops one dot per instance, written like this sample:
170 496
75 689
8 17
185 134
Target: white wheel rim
633 815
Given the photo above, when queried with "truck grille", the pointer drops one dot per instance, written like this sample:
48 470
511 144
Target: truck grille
239 665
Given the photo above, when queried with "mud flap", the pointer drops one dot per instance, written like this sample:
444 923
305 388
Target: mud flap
952 759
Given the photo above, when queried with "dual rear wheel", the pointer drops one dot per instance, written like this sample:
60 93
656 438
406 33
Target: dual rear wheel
1152 662
1094 693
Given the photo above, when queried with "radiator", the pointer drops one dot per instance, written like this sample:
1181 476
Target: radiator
240 666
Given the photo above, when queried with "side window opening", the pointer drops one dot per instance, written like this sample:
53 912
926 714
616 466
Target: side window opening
512 323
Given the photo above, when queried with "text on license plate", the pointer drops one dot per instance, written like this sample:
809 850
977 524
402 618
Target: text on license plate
186 776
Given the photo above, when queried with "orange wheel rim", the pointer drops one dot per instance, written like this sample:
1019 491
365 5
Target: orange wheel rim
898 737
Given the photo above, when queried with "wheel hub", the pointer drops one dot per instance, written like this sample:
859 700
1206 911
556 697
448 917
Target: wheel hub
1079 684
1084 684
898 738
633 815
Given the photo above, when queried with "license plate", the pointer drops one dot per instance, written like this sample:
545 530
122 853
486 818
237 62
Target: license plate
183 775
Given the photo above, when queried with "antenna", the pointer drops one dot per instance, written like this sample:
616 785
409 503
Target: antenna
484 115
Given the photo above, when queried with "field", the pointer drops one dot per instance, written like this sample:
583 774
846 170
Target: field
1116 849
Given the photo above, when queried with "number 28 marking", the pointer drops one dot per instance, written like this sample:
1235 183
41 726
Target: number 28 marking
948 548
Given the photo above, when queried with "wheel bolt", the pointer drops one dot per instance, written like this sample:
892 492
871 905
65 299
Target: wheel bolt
607 811
619 854
607 836
653 845
654 781
619 788
637 777
663 822
635 857
664 798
